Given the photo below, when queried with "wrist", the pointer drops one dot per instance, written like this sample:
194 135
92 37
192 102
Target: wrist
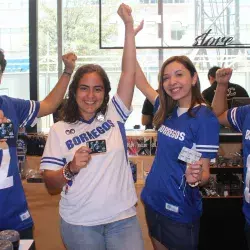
67 173
70 169
67 72
195 184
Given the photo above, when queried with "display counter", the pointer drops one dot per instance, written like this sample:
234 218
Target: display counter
222 222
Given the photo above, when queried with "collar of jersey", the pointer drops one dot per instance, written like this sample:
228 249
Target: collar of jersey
182 111
89 121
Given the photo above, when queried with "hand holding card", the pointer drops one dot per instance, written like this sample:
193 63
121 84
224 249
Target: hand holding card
189 155
193 171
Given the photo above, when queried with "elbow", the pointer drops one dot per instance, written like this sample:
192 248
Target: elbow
52 190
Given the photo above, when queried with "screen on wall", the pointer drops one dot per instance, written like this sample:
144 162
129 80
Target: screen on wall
180 23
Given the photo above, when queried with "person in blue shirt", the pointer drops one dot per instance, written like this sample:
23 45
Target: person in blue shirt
173 204
237 118
14 212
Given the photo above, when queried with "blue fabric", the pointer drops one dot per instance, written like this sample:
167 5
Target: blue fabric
239 119
165 188
171 234
14 212
119 235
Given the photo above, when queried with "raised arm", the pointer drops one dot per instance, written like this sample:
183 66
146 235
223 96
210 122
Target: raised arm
127 80
55 97
143 85
219 103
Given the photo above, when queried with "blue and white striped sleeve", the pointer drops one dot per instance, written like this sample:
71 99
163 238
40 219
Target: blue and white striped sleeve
207 140
121 110
52 158
26 111
236 116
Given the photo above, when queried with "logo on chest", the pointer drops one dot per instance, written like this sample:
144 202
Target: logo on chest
89 135
172 133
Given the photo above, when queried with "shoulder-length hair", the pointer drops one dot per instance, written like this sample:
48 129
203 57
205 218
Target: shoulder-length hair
167 104
70 111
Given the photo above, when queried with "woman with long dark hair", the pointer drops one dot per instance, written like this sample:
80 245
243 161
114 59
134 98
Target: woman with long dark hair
86 156
184 123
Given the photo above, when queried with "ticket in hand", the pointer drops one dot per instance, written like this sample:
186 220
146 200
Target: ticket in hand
189 155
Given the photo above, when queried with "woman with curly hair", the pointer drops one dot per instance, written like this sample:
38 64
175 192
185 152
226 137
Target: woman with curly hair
98 197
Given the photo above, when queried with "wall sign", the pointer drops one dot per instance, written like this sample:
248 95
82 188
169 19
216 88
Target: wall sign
179 24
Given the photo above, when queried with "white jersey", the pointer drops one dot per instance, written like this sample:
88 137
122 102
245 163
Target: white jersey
104 190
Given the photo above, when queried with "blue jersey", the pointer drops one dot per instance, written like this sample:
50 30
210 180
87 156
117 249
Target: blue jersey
165 189
239 118
14 213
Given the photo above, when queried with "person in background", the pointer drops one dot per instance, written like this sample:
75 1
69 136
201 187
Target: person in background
97 206
14 212
233 90
147 114
173 204
239 119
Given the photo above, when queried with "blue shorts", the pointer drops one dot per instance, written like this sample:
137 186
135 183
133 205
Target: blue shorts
119 235
172 234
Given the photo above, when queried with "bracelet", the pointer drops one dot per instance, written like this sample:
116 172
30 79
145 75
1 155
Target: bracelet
67 73
67 173
194 184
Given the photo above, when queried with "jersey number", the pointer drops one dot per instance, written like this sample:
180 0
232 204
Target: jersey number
5 180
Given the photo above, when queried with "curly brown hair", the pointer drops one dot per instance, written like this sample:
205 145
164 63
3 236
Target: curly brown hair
70 111
167 104
3 62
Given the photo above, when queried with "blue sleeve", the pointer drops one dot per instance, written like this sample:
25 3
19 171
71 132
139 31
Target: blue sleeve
236 116
207 137
26 111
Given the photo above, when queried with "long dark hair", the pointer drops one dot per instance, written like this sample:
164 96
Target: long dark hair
167 104
70 111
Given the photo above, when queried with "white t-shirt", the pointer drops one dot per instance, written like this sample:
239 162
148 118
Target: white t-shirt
104 191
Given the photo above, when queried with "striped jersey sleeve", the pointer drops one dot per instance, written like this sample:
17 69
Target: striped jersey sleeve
52 158
236 116
26 111
207 140
121 111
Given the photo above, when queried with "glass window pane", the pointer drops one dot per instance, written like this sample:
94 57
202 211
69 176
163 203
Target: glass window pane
14 40
80 31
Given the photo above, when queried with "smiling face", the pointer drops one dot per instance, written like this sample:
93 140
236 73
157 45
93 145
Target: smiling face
90 95
177 82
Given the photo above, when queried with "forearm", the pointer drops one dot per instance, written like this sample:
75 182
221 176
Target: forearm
54 180
129 52
219 103
127 80
142 84
55 97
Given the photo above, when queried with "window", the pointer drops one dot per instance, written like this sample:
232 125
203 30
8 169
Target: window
14 40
